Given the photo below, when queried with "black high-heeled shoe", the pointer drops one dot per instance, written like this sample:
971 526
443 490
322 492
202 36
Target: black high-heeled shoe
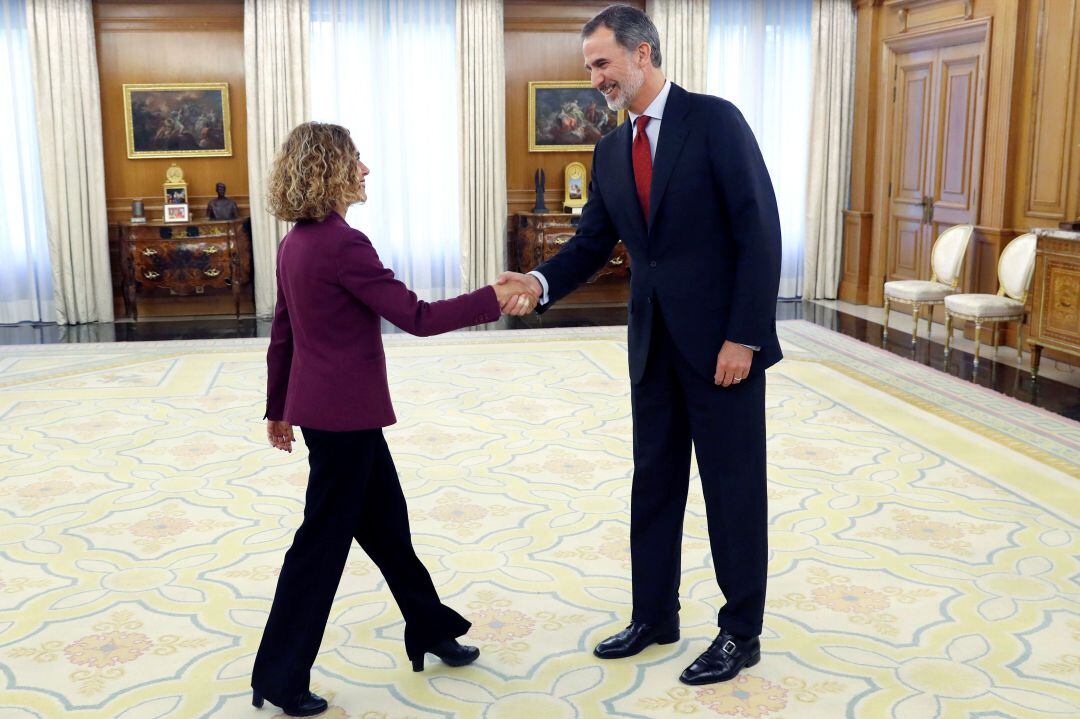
308 705
450 651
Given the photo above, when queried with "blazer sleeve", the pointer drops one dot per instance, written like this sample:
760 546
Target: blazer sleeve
747 192
587 251
279 355
362 273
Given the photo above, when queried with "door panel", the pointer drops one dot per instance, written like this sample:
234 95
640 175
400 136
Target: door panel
913 120
937 125
960 112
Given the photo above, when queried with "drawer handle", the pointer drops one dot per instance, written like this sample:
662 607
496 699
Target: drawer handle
151 275
212 249
616 261
212 273
149 252
561 240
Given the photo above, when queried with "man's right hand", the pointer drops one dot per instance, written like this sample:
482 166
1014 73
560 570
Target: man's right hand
525 291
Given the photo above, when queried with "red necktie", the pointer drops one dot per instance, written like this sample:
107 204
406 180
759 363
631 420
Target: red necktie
642 164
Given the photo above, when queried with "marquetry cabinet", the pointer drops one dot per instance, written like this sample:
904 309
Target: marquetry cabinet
1055 304
537 237
184 259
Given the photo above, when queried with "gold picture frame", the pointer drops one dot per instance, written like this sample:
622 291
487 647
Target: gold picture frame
568 116
177 120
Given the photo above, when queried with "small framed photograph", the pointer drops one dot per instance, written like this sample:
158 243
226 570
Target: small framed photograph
568 116
176 213
176 193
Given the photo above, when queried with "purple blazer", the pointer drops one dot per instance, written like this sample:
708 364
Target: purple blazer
325 366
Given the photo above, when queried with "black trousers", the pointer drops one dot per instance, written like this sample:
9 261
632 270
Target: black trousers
674 406
353 493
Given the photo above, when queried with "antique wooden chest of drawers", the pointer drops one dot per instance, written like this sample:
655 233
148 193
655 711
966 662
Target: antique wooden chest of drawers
184 258
1055 304
535 238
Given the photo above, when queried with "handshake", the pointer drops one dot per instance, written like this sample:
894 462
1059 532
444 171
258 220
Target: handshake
518 294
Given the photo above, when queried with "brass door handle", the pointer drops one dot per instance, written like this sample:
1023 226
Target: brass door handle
928 209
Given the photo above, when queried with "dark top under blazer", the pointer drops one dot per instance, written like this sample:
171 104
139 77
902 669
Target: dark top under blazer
711 250
325 365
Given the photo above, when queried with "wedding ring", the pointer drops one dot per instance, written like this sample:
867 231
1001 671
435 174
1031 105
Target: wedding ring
738 379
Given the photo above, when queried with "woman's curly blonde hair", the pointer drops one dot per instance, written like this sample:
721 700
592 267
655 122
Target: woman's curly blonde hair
315 169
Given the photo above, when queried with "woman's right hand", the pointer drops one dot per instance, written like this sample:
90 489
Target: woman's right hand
280 434
517 293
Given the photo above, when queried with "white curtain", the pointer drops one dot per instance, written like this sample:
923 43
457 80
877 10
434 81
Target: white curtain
759 59
481 109
68 107
25 272
388 71
830 145
684 35
276 77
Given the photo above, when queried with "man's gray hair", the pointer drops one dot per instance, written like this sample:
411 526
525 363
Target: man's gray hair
631 27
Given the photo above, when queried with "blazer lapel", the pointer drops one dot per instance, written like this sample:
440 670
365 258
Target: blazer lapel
673 132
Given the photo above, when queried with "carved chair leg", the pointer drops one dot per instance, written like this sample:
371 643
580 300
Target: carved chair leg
929 322
914 322
978 341
1020 342
948 332
885 319
996 340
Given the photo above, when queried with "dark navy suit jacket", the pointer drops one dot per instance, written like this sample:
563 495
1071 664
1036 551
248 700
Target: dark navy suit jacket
710 251
325 364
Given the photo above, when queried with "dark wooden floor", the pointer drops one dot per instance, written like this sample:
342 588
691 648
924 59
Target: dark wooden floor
1002 376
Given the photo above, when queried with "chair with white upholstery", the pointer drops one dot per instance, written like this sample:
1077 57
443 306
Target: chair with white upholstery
946 260
1015 268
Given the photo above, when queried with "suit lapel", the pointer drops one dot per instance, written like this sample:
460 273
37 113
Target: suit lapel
673 132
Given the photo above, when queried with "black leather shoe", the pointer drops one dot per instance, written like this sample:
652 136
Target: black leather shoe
723 660
636 637
451 653
308 705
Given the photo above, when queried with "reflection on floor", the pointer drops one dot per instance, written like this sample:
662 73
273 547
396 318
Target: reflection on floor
1057 390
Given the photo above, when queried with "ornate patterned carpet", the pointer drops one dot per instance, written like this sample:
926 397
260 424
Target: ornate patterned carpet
924 538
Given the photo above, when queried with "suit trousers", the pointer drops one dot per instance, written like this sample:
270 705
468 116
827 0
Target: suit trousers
353 493
674 406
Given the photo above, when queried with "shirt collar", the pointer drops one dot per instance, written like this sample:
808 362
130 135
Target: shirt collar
655 110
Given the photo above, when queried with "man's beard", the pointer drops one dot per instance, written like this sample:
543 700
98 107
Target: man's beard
627 91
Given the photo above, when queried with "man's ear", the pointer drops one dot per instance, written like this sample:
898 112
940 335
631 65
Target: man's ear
645 53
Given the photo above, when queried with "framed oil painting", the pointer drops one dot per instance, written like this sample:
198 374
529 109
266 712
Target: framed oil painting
177 120
568 116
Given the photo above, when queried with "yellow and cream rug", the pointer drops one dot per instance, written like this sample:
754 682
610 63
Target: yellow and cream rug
923 534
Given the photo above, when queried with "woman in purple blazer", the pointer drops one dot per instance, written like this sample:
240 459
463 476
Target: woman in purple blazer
326 372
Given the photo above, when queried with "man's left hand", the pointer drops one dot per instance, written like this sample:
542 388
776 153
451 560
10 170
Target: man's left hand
732 364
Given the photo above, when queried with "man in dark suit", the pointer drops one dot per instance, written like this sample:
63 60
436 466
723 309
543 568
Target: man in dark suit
684 186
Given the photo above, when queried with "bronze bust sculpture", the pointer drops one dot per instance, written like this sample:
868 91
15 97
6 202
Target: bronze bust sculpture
221 207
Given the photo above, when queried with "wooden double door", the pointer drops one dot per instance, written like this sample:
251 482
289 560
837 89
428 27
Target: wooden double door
936 135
